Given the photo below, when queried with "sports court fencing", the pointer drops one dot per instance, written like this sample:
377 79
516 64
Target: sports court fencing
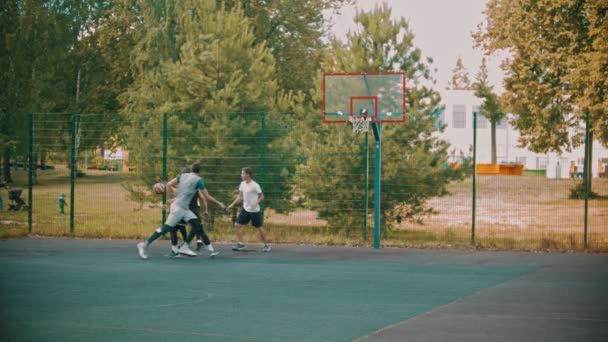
316 178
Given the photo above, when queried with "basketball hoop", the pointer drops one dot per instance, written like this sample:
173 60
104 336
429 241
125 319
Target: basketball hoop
360 123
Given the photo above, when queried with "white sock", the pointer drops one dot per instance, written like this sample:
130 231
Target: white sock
174 248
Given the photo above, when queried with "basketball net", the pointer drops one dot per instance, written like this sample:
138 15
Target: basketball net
360 123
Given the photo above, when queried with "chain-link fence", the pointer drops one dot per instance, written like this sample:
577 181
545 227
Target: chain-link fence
94 174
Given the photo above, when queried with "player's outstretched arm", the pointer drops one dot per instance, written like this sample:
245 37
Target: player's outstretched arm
210 198
237 200
203 200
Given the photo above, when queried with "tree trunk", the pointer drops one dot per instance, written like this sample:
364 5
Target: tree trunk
7 165
493 137
588 163
43 160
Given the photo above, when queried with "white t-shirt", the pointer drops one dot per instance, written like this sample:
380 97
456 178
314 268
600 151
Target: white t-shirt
250 193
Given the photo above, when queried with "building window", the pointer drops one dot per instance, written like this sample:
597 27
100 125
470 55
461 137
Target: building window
482 121
541 163
460 116
521 160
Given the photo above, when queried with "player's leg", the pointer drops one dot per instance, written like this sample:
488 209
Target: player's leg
200 237
195 228
241 220
142 247
257 222
207 242
175 216
181 228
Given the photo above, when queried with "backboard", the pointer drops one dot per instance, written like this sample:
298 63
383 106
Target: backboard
379 96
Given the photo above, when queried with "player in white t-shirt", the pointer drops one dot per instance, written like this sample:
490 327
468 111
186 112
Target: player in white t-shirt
251 195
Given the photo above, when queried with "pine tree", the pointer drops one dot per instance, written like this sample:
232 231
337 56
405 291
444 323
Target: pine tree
219 78
460 77
413 158
490 108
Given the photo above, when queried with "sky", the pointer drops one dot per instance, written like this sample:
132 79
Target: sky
442 30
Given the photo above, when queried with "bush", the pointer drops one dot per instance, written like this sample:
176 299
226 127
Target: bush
578 191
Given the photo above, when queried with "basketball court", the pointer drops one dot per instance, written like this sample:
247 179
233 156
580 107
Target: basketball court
100 290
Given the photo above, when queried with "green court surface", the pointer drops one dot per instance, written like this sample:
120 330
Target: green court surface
99 290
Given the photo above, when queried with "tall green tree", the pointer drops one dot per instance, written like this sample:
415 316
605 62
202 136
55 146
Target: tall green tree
68 74
293 32
332 182
558 70
30 79
204 65
490 107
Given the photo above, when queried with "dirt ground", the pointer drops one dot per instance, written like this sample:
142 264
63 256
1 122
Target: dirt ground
520 205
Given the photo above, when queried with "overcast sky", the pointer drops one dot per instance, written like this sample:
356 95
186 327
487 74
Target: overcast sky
442 29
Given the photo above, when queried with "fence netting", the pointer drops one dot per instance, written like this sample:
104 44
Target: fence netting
94 174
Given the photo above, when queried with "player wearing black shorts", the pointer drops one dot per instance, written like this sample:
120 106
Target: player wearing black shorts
250 193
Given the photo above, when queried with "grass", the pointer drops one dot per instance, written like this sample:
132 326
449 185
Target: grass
513 213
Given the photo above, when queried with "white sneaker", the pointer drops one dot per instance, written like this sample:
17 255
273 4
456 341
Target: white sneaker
213 254
266 248
143 250
185 250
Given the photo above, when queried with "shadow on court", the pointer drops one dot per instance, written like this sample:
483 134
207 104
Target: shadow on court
99 290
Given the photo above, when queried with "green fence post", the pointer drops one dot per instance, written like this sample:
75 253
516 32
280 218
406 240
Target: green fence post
30 177
263 157
474 176
165 176
587 174
365 189
74 119
377 182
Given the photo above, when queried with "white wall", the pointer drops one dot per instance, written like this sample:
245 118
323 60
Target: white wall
461 139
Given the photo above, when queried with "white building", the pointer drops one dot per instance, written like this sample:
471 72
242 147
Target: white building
458 118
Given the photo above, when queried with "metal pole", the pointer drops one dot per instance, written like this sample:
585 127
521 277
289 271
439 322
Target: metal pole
72 170
376 178
377 175
263 156
365 190
165 176
587 173
30 182
474 176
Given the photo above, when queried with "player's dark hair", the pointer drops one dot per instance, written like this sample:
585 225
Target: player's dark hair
196 167
248 171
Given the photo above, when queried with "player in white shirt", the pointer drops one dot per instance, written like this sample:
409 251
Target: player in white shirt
251 195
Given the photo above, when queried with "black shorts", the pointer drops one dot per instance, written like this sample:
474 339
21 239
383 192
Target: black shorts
245 216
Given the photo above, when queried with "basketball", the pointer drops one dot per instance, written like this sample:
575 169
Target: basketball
159 188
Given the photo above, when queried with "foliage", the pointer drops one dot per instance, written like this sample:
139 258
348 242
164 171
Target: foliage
491 107
51 63
204 64
578 192
558 69
292 31
413 158
460 77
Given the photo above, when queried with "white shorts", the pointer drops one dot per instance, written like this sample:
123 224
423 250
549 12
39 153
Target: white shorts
177 214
